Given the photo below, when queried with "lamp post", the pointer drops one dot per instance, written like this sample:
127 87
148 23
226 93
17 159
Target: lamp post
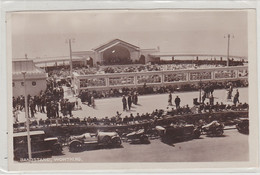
228 40
69 41
200 89
27 119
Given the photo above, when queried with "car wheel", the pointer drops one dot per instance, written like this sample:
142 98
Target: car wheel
56 149
220 132
144 139
196 134
106 140
116 141
75 146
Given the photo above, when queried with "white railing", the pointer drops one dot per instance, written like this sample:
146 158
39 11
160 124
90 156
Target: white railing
135 79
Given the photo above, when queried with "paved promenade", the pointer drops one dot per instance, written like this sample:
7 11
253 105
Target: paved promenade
146 103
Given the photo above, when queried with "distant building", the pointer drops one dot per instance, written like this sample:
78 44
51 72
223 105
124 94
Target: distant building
35 78
117 52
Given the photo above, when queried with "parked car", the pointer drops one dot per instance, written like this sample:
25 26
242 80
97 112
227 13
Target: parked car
41 146
138 136
243 125
174 132
213 128
87 140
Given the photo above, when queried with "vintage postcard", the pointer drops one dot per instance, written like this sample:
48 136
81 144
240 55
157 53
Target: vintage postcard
132 89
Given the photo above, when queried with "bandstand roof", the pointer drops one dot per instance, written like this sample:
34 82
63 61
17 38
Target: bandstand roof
113 43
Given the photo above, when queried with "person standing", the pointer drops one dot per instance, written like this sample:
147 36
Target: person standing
57 109
177 102
69 108
229 95
31 105
236 98
92 101
88 98
124 103
170 99
129 100
203 97
42 103
136 98
38 103
211 99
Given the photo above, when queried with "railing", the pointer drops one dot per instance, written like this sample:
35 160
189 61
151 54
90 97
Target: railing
135 79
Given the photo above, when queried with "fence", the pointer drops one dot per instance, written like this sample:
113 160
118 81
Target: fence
137 79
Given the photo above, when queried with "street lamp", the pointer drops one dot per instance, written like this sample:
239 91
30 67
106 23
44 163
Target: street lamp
228 39
27 119
69 41
200 84
71 75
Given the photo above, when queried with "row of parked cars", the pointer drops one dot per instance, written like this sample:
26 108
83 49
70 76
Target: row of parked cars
47 146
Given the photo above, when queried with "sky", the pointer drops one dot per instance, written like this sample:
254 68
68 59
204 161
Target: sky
44 34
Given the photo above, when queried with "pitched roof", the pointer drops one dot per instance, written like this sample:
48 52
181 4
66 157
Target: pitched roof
113 43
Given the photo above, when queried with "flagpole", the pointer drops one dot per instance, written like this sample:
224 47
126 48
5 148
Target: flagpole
70 58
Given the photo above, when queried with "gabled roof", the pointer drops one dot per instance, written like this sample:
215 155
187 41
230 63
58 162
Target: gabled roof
113 43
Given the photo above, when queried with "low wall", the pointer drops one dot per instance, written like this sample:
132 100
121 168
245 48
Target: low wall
226 117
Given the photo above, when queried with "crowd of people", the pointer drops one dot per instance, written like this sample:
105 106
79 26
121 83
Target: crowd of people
145 89
132 98
152 117
139 68
64 71
50 101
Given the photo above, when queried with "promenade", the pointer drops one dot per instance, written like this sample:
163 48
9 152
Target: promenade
147 103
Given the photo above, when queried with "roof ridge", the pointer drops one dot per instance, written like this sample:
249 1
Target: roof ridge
102 45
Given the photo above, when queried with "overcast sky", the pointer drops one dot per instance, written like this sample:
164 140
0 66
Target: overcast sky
44 34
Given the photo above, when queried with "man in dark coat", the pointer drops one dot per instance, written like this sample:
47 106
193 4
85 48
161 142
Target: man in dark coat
70 107
129 100
236 98
211 100
42 103
124 103
177 102
31 105
57 109
136 98
170 99
48 109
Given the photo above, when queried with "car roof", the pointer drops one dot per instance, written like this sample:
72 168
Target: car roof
21 134
244 119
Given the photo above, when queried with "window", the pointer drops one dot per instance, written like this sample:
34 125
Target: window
34 83
13 84
22 83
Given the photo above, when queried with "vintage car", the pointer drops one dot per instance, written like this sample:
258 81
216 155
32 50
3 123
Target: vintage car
243 125
90 140
213 128
41 146
173 132
138 136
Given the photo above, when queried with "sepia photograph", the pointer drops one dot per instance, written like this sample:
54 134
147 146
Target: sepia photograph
130 86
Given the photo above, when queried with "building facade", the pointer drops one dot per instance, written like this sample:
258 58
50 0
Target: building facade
35 78
117 52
